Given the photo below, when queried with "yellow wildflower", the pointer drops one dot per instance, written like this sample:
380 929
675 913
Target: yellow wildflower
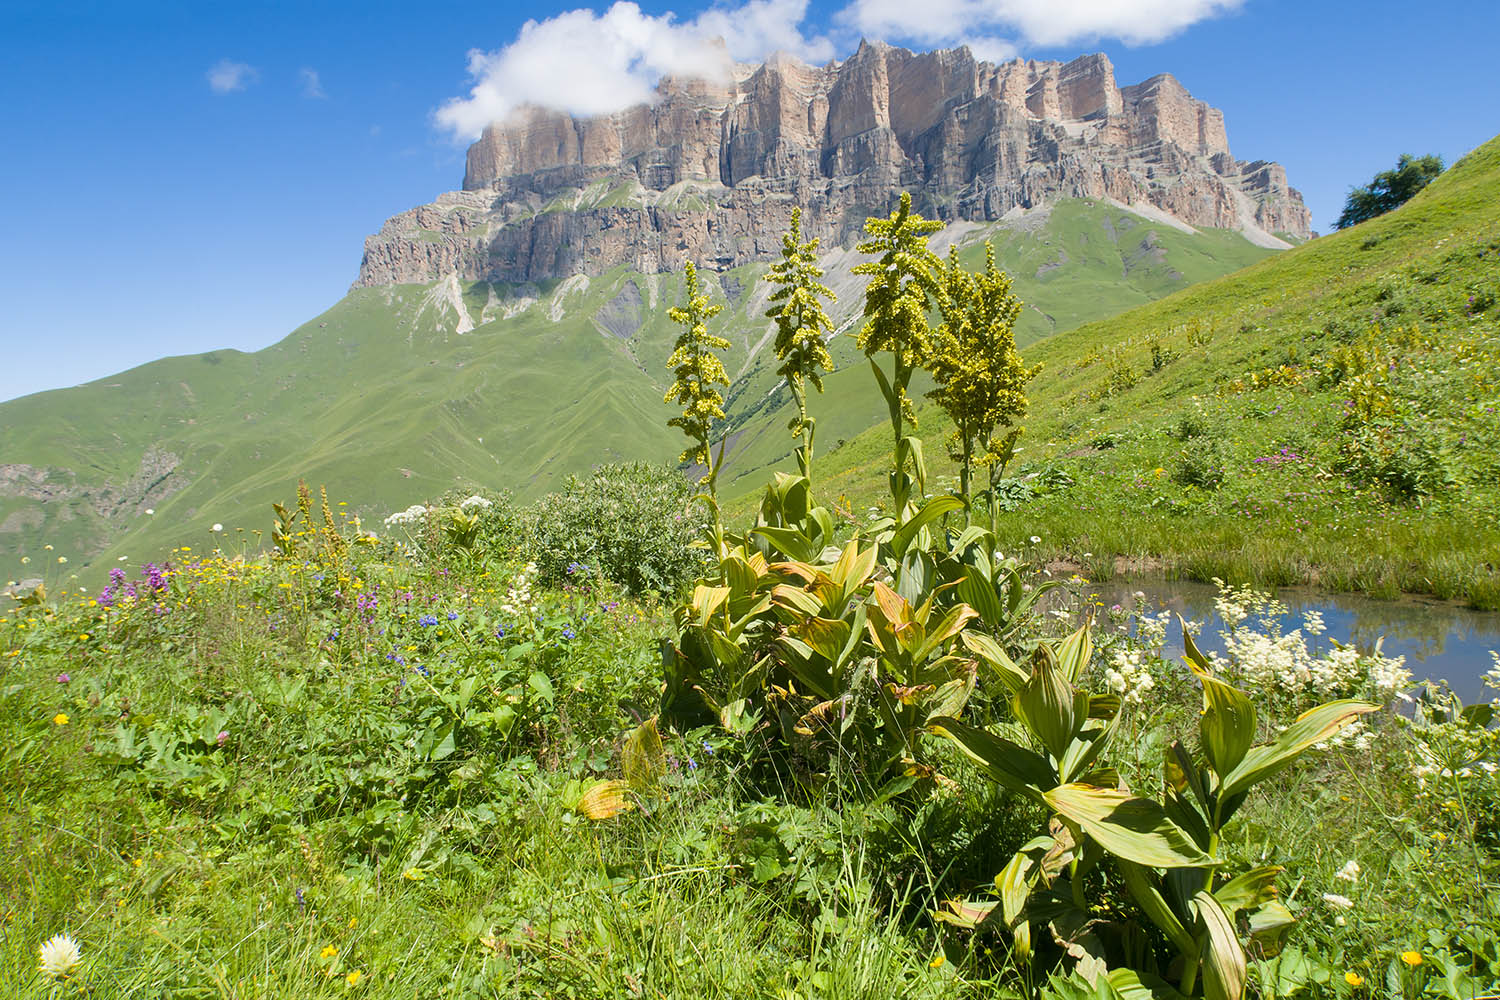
60 719
1354 979
937 962
1411 958
353 978
329 951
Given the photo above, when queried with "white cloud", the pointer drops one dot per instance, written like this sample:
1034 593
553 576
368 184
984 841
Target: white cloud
312 86
588 63
227 76
1036 22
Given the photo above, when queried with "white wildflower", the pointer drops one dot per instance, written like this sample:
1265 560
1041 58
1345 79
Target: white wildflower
217 528
475 501
1129 676
413 513
1036 539
1312 622
1350 871
1338 902
60 955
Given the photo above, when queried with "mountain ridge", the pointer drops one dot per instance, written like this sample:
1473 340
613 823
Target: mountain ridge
712 170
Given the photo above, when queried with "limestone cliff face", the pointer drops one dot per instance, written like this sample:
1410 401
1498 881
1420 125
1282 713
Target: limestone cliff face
711 171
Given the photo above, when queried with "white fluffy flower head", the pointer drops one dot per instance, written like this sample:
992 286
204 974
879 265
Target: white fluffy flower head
59 956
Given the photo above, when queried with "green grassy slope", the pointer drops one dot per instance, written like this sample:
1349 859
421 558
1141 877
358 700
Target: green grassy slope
1316 383
381 399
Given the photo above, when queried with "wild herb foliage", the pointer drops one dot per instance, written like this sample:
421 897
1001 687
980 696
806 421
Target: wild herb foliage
981 380
801 327
635 525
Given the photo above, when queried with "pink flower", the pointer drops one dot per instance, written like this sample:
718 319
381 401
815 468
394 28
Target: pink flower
223 737
63 678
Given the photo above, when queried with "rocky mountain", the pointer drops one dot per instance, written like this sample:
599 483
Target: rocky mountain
712 170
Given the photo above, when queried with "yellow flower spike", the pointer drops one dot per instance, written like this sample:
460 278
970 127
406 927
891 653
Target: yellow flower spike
1354 979
1412 958
60 719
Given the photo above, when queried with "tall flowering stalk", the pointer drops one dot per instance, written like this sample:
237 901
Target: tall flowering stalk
981 380
897 300
801 323
698 370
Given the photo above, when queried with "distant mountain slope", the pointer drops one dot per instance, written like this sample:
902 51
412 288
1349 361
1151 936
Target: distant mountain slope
1320 384
399 393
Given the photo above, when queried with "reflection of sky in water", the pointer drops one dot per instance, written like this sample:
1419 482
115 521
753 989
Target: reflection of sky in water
1439 641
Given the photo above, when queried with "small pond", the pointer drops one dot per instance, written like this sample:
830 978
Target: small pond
1440 640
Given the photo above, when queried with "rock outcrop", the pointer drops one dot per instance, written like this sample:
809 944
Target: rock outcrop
711 171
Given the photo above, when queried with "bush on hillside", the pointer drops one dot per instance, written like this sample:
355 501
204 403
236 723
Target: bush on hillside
634 524
1390 189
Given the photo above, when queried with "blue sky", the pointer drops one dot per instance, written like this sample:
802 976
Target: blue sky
181 177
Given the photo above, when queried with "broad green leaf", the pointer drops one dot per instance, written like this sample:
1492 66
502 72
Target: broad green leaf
1227 725
1073 654
951 697
826 635
979 593
790 542
1223 957
853 568
796 599
1143 885
952 623
707 600
1249 889
1014 882
1013 766
1269 925
935 508
1129 984
1085 748
989 651
1050 708
1312 726
1127 826
1190 650
541 686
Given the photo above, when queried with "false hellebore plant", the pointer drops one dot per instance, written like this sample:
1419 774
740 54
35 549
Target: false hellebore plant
1167 852
698 369
801 324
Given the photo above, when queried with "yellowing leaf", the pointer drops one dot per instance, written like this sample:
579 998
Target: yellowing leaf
604 800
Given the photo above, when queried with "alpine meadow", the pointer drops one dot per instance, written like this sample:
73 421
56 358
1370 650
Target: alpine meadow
731 548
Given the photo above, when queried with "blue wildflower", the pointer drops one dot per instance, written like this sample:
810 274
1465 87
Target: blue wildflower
567 632
452 615
427 620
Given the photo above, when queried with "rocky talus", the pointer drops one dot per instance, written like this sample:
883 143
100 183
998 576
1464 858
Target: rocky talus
711 171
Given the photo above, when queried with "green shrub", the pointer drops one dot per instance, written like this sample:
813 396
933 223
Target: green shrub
1200 463
634 524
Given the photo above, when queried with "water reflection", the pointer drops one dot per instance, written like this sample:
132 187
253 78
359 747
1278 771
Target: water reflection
1439 640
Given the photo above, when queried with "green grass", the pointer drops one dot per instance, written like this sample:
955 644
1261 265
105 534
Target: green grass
358 815
381 400
1262 360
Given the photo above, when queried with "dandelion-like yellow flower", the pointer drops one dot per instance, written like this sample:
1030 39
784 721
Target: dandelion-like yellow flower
353 978
1412 958
329 951
937 962
59 956
60 719
1354 979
